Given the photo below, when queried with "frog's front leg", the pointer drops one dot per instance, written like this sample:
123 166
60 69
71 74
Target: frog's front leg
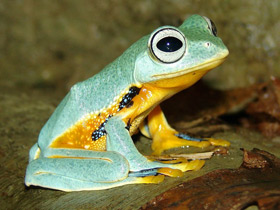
164 137
119 140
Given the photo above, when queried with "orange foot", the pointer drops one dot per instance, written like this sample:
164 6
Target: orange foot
164 137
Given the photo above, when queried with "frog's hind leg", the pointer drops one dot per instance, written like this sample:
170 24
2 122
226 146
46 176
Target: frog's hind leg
83 170
165 137
79 170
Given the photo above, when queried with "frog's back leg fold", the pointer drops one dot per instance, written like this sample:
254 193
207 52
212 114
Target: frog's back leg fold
97 171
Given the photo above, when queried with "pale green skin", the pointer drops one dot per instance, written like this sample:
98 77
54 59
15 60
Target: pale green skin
134 66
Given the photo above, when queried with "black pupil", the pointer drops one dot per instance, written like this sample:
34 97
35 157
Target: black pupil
169 44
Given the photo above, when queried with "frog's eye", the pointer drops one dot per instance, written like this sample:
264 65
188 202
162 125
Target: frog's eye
211 26
167 45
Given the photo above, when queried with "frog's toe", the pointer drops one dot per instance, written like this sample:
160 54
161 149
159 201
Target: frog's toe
193 165
218 142
148 179
204 142
187 140
170 172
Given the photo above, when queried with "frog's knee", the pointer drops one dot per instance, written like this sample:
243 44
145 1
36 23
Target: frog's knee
32 169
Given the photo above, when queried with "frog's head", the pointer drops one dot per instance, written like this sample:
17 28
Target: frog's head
180 56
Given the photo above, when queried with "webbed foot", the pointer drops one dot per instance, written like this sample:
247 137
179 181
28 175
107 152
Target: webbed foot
165 137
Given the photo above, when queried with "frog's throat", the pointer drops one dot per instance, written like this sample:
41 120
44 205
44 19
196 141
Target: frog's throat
202 67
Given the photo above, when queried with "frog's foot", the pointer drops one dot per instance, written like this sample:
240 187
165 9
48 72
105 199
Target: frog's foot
202 142
157 172
169 139
180 163
172 139
193 165
171 170
165 137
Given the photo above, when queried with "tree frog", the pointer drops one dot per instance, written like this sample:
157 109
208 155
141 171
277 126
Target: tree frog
86 144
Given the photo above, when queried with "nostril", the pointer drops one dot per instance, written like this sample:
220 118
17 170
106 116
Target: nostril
207 44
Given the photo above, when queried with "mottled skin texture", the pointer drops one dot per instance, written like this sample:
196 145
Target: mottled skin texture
66 156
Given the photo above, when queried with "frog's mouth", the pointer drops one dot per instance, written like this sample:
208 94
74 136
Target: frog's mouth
202 67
